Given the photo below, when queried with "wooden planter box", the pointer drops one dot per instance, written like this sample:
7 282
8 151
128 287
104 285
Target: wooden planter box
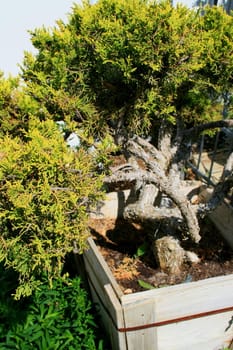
194 316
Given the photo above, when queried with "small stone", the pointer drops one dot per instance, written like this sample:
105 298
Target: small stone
192 257
128 291
170 255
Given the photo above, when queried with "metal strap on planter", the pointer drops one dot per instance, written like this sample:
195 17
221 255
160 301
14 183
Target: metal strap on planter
176 320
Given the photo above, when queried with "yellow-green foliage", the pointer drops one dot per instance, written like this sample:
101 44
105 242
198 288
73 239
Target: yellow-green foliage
45 189
142 59
14 105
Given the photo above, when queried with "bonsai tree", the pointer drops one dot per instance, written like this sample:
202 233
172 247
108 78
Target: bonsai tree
153 76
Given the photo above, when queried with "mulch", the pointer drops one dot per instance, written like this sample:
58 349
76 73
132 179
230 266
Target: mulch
118 242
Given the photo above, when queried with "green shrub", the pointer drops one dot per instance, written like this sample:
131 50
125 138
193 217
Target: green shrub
45 189
11 311
53 318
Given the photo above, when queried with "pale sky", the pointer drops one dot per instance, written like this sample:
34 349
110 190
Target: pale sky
19 16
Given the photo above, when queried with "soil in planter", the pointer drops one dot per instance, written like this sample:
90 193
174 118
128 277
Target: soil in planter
126 249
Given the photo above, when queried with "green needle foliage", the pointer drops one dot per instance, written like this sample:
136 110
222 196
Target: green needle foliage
15 106
136 62
45 189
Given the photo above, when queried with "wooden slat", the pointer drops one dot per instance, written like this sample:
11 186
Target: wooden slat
113 205
118 339
206 333
141 314
171 304
110 312
104 296
174 301
96 260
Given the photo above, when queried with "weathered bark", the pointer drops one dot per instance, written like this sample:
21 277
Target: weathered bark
167 250
184 207
137 212
160 174
164 140
166 184
143 209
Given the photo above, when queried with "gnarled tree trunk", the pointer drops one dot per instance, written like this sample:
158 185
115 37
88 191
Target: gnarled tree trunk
160 175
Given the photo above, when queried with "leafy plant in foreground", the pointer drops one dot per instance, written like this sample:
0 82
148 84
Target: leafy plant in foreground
56 318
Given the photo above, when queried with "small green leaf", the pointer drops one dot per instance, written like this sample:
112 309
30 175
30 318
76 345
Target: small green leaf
142 249
145 285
